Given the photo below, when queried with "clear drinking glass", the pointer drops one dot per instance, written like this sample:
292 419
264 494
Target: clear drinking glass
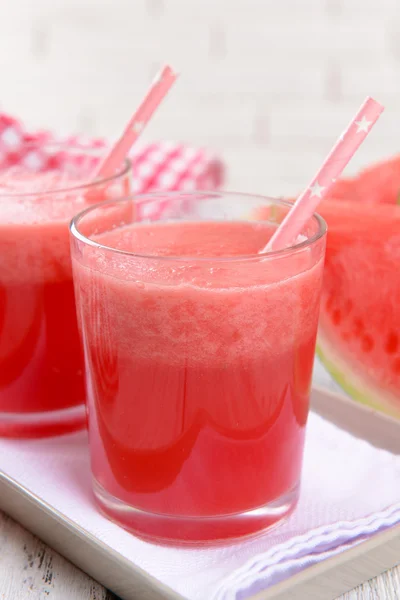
198 353
41 364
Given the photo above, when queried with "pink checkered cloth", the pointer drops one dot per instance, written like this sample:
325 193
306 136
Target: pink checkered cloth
158 166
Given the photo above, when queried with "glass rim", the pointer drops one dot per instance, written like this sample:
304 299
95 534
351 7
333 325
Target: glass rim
142 198
125 168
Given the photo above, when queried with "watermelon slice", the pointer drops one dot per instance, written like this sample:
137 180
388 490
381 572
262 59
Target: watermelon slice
359 330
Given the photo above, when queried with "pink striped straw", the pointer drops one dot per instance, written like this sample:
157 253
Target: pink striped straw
156 93
340 155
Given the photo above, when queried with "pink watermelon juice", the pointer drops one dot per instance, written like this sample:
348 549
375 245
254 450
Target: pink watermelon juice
199 372
41 363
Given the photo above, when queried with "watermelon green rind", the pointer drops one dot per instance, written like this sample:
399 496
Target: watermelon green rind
357 388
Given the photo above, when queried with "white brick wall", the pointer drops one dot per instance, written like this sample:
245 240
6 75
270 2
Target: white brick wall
268 83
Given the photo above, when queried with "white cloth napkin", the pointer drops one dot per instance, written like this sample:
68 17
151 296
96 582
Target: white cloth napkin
350 490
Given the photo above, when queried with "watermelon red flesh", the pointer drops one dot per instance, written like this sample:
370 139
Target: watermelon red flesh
379 183
359 332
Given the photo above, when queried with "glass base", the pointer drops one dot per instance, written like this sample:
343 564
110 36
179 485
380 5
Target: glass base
42 424
181 530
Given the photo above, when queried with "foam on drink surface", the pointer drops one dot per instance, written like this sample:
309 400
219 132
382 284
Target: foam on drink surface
218 308
27 197
35 209
211 254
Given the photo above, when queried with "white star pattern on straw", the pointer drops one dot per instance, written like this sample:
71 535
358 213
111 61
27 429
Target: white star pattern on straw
316 190
331 168
138 126
363 125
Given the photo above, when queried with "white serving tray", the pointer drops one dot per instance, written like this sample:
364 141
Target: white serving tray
326 580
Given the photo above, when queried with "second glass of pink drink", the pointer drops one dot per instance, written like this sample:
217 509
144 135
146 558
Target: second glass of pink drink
41 363
199 353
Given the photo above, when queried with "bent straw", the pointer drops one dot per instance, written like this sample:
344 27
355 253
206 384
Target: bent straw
156 93
340 155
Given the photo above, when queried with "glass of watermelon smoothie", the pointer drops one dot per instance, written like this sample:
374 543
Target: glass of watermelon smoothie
41 363
198 353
